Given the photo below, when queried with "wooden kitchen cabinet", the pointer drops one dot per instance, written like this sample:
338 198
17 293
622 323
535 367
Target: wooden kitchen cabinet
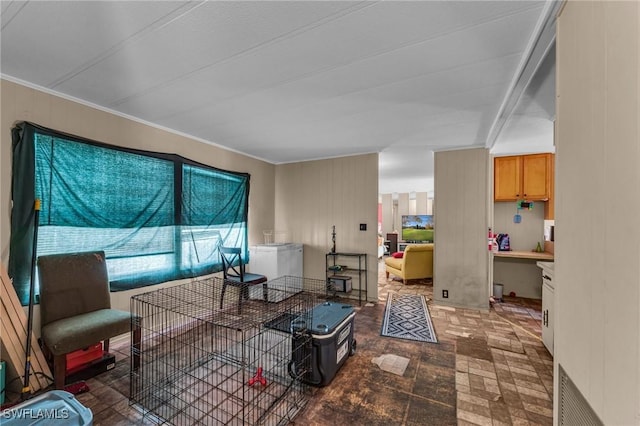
522 177
549 206
507 178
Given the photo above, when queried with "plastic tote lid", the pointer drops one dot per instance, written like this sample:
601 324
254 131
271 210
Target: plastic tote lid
53 407
327 316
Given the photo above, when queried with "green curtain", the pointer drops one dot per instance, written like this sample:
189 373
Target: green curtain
22 211
158 217
209 203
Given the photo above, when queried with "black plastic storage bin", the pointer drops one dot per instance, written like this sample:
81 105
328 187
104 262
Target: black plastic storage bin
331 342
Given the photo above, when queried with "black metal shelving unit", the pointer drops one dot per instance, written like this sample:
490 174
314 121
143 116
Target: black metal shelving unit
333 259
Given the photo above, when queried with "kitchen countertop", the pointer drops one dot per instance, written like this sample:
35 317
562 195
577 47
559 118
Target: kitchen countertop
525 255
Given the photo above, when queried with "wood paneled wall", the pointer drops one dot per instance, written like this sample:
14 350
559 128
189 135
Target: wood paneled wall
461 258
597 250
312 196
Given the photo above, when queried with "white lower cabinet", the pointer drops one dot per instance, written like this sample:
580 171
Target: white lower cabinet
547 315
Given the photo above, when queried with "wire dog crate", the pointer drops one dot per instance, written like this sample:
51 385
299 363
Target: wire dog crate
288 284
203 362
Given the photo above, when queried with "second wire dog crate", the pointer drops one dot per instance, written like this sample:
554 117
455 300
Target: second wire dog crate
201 363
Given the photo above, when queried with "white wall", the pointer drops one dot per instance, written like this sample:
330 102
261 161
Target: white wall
520 276
524 235
461 258
387 213
403 209
421 203
597 244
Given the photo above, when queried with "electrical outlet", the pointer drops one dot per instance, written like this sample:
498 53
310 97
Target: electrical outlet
445 294
363 226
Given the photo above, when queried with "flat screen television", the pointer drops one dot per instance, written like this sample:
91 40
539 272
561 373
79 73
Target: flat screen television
417 228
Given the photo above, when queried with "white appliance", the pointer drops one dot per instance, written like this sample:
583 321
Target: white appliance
548 304
273 261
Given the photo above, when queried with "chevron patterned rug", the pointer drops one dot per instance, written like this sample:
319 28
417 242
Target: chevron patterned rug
406 316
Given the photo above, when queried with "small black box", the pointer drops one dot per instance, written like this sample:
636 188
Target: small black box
341 283
92 369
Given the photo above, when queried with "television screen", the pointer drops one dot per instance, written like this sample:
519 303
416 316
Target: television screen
417 228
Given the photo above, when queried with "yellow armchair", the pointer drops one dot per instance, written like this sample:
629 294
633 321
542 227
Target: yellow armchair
417 262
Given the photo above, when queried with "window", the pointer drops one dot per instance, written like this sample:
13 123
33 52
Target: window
158 217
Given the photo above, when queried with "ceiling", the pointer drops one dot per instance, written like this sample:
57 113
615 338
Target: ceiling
303 80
